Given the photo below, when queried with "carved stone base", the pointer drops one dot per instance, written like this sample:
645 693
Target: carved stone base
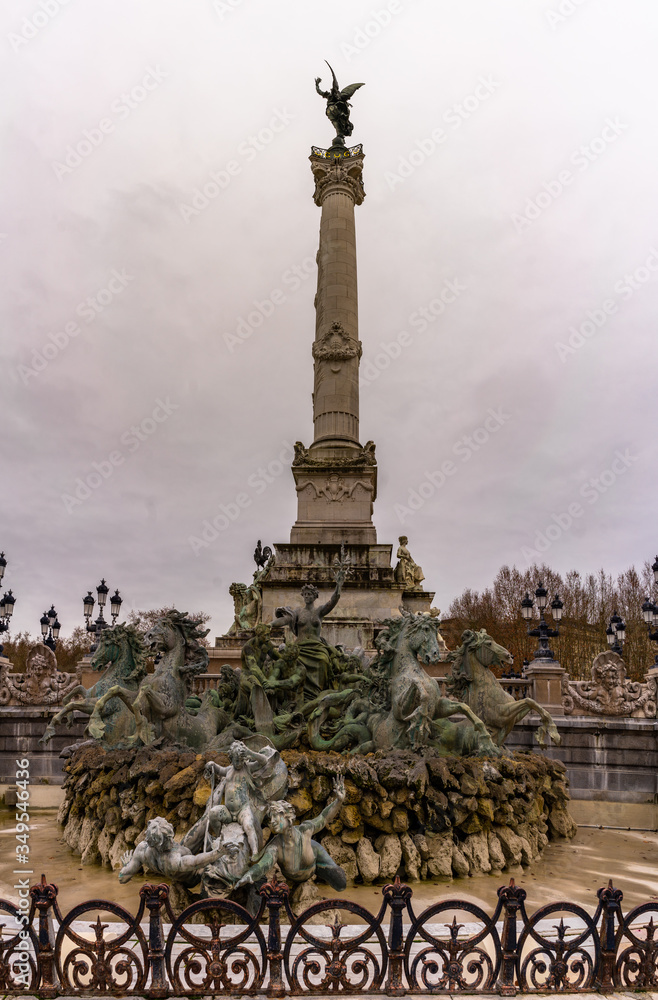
334 504
370 593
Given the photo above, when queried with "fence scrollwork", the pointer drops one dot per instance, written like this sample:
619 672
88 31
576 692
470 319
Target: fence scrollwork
216 947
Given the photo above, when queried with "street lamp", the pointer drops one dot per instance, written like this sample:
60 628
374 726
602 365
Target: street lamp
102 590
542 632
616 633
650 613
7 602
50 627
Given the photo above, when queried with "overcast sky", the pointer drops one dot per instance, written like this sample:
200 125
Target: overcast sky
508 276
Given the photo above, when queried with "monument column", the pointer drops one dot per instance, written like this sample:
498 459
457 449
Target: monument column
336 477
337 348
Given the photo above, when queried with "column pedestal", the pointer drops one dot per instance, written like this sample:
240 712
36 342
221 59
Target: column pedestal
546 677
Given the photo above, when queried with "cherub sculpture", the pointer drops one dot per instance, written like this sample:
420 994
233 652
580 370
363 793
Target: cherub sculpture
338 106
293 849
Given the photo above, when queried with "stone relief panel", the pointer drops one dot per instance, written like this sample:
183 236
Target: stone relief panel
609 692
334 489
40 684
336 345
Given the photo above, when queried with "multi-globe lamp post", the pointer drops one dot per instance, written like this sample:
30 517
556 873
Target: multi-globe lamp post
7 602
50 628
95 628
543 632
650 612
616 633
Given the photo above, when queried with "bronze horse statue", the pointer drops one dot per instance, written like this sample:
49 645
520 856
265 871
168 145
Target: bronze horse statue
158 707
404 707
473 682
122 652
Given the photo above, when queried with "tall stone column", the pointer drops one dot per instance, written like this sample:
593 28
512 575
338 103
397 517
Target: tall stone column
336 477
337 348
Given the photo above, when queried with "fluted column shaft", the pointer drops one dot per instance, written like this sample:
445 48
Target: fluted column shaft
337 349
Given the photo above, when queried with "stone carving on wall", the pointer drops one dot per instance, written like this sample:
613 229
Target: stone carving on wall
407 572
336 345
40 684
334 488
609 692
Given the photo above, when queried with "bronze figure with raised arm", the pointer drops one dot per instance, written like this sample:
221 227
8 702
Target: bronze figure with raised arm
293 849
338 105
306 625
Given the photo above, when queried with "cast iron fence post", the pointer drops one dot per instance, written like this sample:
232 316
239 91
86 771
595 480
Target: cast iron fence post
512 897
397 897
276 894
610 902
155 897
43 896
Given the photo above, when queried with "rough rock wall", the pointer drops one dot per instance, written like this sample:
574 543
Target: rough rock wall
418 815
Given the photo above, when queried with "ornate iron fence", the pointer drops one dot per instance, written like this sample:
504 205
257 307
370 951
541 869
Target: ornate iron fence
217 947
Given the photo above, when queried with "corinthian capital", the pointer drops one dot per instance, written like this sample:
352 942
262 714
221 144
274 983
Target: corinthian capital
338 174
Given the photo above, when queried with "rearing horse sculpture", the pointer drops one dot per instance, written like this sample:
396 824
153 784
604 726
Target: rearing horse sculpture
123 649
473 682
405 707
159 705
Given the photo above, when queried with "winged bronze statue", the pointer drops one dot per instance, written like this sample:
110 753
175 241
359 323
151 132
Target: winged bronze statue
338 105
